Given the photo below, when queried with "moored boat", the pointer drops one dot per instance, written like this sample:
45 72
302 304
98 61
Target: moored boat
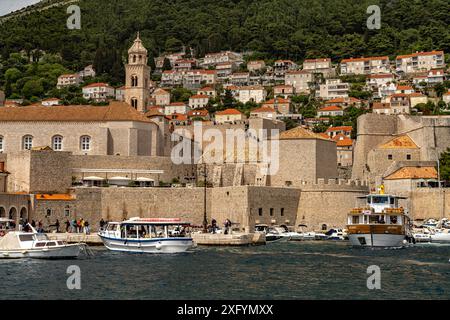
147 235
380 223
18 244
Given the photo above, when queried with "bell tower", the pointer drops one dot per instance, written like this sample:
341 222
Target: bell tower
137 76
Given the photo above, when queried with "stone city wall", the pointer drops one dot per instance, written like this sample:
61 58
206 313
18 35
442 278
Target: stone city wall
328 202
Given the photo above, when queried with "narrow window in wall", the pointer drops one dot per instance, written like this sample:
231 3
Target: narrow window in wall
260 212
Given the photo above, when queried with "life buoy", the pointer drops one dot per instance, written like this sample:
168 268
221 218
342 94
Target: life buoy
158 246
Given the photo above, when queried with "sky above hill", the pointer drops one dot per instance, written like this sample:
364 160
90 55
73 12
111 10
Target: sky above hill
7 6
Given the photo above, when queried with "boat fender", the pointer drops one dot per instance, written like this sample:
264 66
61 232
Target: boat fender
158 246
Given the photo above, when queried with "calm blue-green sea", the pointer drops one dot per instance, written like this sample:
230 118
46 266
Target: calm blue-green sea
287 270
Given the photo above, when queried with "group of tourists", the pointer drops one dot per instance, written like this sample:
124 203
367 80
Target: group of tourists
213 228
77 226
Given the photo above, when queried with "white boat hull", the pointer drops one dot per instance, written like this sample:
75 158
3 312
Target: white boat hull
440 238
376 240
163 245
56 252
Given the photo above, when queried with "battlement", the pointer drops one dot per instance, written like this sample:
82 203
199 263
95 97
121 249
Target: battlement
335 184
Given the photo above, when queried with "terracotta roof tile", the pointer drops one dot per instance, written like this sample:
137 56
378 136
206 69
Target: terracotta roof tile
401 142
228 112
301 133
414 173
116 111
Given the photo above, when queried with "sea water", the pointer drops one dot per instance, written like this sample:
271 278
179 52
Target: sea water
283 270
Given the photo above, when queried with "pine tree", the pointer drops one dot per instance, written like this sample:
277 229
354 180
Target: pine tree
444 164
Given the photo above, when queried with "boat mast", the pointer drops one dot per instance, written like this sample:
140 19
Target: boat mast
205 221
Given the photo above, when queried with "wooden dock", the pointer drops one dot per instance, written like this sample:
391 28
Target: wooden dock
235 239
90 239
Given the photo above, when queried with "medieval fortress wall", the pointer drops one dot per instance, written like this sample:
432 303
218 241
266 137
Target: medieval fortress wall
430 133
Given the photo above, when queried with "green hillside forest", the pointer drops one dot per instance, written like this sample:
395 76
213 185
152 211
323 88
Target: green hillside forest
270 29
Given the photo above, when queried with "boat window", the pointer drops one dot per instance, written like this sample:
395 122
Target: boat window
111 227
392 200
378 200
51 244
373 219
394 219
132 231
40 244
26 237
60 243
355 220
41 236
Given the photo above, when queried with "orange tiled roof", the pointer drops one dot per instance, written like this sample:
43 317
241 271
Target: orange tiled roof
342 100
177 104
116 111
301 133
199 96
228 112
178 117
97 84
379 105
343 141
417 94
417 54
60 197
279 100
340 128
413 173
401 142
364 59
404 88
263 110
331 108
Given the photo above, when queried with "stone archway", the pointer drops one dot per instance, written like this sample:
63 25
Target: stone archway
13 213
2 212
23 214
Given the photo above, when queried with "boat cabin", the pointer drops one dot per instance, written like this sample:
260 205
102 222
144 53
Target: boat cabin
141 228
378 209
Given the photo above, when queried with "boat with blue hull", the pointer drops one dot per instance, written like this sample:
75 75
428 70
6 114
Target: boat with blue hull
147 235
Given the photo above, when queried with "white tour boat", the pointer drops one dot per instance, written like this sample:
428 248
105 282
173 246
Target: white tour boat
18 244
147 235
379 223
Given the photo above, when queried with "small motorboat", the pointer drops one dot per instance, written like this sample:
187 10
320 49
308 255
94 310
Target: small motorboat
6 225
272 233
336 235
440 236
19 244
422 237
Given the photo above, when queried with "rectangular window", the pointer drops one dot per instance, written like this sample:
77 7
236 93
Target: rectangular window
389 156
282 212
260 212
408 157
271 212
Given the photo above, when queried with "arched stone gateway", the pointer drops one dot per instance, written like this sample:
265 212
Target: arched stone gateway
24 213
13 213
2 212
